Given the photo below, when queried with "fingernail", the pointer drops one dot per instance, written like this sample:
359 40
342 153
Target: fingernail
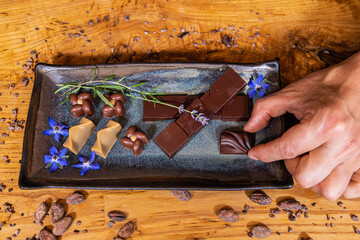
253 157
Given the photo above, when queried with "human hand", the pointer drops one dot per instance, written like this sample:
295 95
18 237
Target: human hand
322 152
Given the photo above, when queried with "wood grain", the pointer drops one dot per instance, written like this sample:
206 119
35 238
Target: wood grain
292 31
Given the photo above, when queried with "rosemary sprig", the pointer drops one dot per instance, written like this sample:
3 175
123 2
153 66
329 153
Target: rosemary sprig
111 85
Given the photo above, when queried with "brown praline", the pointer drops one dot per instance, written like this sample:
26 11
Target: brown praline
118 100
134 140
82 105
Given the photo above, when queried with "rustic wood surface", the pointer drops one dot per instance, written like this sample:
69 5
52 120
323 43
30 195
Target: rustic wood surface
88 32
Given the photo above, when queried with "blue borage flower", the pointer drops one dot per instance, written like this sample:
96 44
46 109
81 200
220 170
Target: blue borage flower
87 164
56 159
257 86
57 129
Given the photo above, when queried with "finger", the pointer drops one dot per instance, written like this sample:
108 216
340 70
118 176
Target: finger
334 185
312 168
266 108
353 189
298 140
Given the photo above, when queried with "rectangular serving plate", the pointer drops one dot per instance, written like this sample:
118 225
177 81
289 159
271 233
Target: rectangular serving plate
197 166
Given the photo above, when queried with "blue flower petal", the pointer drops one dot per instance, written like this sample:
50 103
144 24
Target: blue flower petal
261 93
259 80
64 132
54 166
49 132
252 84
92 157
62 153
84 170
82 158
47 159
52 123
62 162
265 86
251 93
53 151
79 165
62 126
94 166
57 136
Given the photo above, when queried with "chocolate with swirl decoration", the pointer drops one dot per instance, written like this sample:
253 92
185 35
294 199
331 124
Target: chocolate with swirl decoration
235 142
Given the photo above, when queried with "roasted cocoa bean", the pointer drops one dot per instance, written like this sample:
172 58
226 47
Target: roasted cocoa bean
73 99
119 97
126 230
138 147
62 226
76 111
289 204
228 215
108 112
227 41
87 96
260 197
57 212
142 136
130 131
46 235
126 143
182 195
75 198
119 109
41 212
88 108
260 231
116 216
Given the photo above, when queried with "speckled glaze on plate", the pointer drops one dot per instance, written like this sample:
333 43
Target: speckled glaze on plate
198 165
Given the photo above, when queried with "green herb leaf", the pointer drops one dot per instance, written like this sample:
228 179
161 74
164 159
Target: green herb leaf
67 99
138 85
103 98
49 165
121 80
59 165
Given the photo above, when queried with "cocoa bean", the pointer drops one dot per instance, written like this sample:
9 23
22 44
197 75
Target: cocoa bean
260 231
228 215
182 195
260 197
289 204
41 212
62 226
116 216
57 212
126 230
75 198
46 235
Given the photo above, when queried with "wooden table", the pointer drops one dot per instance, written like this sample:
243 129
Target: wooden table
87 32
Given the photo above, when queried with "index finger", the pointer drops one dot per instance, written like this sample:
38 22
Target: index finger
298 140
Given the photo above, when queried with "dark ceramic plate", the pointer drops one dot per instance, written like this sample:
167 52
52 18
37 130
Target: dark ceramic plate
197 166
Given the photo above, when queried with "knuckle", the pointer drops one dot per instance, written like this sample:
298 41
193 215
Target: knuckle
287 151
335 120
330 194
304 180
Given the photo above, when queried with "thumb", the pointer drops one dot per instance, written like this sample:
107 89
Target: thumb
266 108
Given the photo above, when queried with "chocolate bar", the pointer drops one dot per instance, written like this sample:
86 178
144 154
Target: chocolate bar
235 142
178 133
236 109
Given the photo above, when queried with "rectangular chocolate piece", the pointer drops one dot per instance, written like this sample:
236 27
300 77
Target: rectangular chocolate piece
236 109
235 142
187 123
220 92
170 144
163 112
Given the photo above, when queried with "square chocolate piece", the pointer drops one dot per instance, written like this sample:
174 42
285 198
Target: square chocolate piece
235 142
172 139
